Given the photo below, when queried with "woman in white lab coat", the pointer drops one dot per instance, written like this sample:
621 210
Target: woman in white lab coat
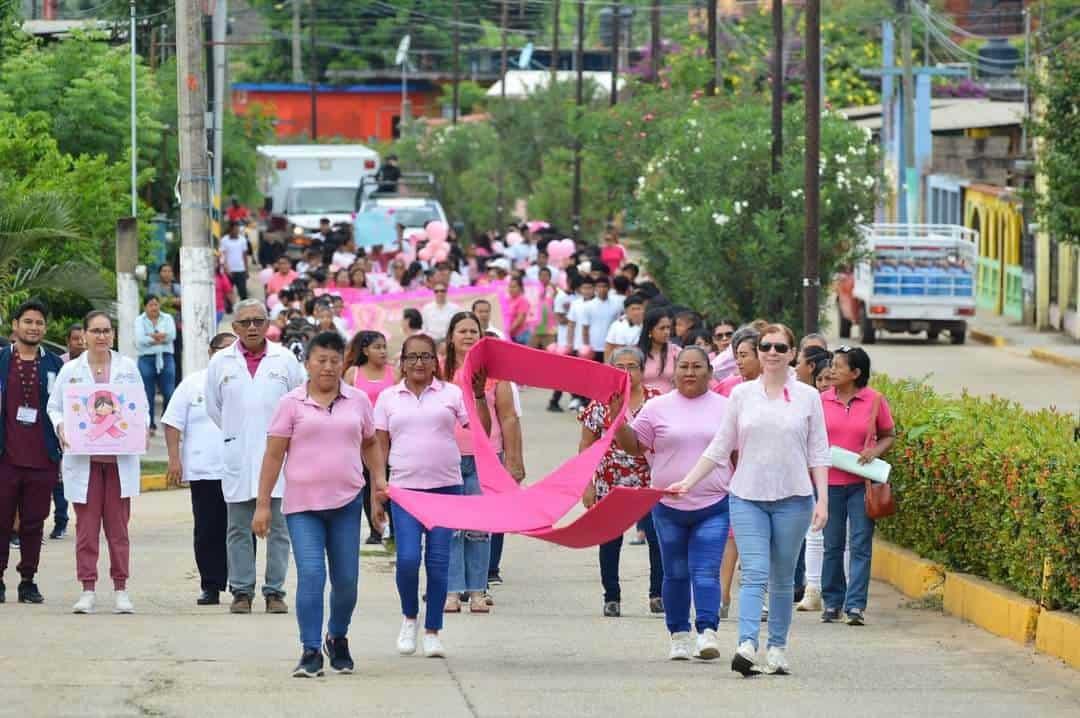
100 487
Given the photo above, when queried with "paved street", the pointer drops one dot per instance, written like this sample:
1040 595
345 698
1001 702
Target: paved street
544 651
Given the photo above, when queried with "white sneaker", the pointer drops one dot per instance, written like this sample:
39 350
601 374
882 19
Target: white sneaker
123 603
682 646
708 645
743 661
85 604
811 600
406 640
776 662
433 647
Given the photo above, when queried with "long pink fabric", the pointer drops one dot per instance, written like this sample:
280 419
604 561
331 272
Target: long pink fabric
505 507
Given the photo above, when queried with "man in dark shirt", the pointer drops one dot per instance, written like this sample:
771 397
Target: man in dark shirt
29 450
388 175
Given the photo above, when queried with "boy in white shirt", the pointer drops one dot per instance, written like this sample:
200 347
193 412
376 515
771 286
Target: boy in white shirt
577 321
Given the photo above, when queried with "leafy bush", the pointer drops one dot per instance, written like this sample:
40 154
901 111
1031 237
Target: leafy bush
987 488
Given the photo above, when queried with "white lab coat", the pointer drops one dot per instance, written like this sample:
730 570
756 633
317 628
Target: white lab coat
201 438
75 469
242 407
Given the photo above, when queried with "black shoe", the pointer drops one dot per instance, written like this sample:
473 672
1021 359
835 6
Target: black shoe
554 408
3 593
29 593
830 615
337 650
798 595
494 579
612 609
374 539
310 665
208 598
58 532
854 617
15 542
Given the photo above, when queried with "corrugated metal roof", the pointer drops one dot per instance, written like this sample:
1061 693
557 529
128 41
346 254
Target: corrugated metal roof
949 114
522 83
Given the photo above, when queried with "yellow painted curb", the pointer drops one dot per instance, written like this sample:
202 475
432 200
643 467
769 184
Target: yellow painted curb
153 482
986 338
911 574
1054 358
991 607
1058 635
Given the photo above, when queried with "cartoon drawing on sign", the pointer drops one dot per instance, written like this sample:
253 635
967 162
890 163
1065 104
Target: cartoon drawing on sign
106 417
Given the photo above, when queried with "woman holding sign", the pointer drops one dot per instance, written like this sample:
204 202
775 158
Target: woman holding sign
100 485
857 418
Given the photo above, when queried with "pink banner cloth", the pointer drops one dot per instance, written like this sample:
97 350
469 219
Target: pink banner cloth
506 507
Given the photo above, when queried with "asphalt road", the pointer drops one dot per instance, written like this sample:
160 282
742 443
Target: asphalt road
544 651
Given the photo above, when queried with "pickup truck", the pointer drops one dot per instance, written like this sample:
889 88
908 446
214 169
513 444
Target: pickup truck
911 278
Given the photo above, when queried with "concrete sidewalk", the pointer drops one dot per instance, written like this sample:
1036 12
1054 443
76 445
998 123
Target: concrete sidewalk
544 651
1050 346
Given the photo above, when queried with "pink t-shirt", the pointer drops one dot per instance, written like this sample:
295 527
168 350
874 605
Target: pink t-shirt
464 436
323 467
847 426
373 388
653 378
519 315
423 452
677 430
723 365
613 255
279 281
222 286
724 386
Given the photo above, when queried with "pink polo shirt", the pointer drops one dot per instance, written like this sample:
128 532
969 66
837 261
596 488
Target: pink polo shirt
423 451
251 359
373 388
677 430
848 426
463 435
725 385
323 467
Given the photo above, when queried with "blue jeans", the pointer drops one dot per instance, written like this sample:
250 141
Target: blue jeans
318 538
165 380
691 549
470 551
610 554
768 535
60 513
847 504
408 534
497 541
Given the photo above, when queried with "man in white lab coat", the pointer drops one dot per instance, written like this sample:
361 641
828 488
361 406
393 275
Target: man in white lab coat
243 386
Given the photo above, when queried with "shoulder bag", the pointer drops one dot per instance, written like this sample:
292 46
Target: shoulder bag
879 500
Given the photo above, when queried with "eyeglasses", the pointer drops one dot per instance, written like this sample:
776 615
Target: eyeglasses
440 291
257 322
780 347
101 332
425 358
723 335
627 367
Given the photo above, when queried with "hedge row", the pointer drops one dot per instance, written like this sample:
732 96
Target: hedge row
988 488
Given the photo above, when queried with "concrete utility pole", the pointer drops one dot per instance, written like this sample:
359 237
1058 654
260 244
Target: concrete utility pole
579 62
196 256
812 177
504 20
616 30
219 27
909 181
555 43
777 93
314 77
297 65
456 36
127 287
710 23
654 40
134 119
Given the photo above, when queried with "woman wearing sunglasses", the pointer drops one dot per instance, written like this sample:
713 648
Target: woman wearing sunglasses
414 423
723 361
777 426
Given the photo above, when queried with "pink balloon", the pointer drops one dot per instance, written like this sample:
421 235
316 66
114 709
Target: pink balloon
585 352
427 253
560 249
437 231
513 238
440 253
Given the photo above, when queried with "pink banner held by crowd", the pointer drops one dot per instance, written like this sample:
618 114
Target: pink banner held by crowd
505 506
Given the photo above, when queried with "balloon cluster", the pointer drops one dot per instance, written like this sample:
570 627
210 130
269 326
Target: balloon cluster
437 248
560 250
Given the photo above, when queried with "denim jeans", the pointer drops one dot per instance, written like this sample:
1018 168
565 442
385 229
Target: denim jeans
240 548
409 533
610 553
60 512
847 508
165 380
497 541
692 547
470 551
320 538
768 535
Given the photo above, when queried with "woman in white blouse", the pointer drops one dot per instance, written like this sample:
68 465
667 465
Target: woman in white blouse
777 427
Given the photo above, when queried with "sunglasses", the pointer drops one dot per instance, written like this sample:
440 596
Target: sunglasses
258 322
723 335
418 358
780 347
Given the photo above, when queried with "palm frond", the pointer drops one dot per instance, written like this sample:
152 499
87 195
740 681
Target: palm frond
28 219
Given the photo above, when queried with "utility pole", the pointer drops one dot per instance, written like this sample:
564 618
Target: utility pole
314 77
777 94
1027 83
297 66
134 118
654 40
812 176
579 61
196 256
456 36
127 286
616 30
504 20
909 181
710 14
555 43
219 27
